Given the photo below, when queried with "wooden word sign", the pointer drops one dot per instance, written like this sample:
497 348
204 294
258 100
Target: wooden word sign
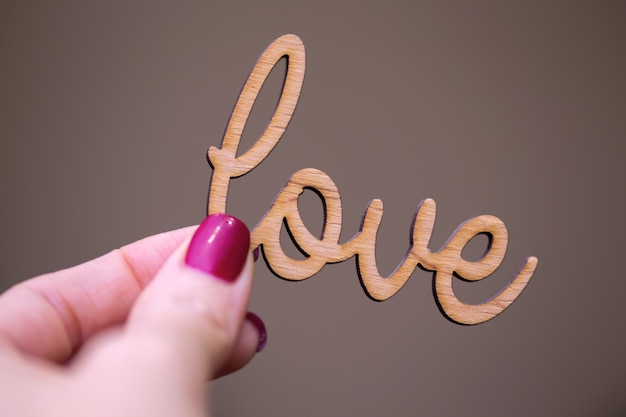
445 263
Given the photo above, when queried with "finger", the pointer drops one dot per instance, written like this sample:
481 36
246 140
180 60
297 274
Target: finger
191 315
252 339
51 315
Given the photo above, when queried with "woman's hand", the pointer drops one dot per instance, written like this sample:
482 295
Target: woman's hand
136 332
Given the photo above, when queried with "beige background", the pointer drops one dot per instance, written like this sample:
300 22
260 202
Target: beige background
511 109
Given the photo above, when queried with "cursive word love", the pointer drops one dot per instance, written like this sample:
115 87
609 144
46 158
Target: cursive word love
445 263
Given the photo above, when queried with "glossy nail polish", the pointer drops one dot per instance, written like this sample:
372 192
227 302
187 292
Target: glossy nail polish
219 247
260 326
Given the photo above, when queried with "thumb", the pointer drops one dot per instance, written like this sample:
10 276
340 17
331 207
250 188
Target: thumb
191 316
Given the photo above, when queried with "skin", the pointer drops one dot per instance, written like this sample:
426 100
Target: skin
97 340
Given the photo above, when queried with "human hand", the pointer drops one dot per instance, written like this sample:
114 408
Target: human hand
97 340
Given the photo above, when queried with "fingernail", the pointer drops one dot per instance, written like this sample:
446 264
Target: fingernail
219 247
255 253
260 326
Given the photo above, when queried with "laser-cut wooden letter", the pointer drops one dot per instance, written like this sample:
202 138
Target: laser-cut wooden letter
319 251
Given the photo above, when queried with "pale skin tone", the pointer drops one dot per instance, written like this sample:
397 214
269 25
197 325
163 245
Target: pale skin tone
97 340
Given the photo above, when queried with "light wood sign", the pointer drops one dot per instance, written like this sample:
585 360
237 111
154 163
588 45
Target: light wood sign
445 263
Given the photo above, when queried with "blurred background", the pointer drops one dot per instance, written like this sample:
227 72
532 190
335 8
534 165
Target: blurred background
512 109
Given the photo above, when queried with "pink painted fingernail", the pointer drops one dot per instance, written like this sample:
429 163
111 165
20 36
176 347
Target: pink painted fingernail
255 253
219 247
260 326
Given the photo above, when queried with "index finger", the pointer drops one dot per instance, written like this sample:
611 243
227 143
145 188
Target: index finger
51 315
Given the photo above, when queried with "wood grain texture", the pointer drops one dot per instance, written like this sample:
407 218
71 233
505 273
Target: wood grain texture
446 263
